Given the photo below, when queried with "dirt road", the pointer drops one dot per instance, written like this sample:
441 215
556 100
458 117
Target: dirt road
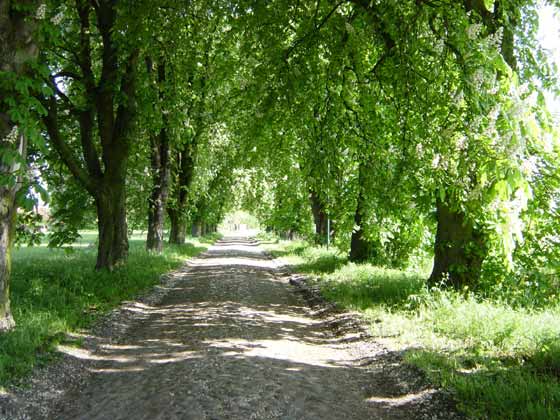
231 339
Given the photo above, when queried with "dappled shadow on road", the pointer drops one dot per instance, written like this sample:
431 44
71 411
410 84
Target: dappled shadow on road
231 340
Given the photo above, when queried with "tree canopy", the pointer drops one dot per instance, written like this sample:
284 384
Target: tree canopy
402 127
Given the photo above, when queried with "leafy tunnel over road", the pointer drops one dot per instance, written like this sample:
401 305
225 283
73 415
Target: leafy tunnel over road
231 339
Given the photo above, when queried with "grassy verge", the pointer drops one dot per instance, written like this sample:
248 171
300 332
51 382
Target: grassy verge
54 292
502 362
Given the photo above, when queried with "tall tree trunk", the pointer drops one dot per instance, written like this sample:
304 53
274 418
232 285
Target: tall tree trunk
156 218
177 213
17 49
7 224
187 156
196 229
319 217
178 230
112 248
360 248
160 172
459 249
8 210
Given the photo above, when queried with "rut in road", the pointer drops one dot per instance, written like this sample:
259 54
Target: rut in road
230 340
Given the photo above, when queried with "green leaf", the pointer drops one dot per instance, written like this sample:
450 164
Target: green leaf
489 5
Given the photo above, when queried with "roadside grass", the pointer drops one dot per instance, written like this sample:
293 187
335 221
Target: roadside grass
501 362
54 291
306 259
360 286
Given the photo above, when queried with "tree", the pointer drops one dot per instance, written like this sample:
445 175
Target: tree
161 168
319 217
399 121
18 51
361 248
421 92
462 243
210 195
199 57
93 77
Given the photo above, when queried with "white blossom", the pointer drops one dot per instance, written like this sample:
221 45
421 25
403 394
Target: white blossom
436 160
461 142
473 30
478 77
495 40
523 89
41 11
439 46
58 18
475 123
12 136
529 166
459 98
494 113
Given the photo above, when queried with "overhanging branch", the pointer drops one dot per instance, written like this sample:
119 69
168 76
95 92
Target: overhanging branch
315 29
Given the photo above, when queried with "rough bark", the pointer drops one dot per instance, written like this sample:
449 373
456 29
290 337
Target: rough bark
287 235
177 233
111 221
459 249
161 170
177 213
187 156
360 247
156 213
196 229
178 230
8 210
7 224
319 217
17 49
